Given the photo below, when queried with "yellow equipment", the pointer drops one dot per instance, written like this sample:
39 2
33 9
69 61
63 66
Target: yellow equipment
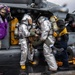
13 23
64 31
53 20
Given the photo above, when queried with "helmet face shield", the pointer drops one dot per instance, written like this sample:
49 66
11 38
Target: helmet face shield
4 10
30 21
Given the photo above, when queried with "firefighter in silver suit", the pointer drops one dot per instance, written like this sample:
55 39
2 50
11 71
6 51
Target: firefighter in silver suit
23 38
48 42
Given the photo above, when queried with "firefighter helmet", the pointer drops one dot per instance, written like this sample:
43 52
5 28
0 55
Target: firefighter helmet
4 7
27 19
41 19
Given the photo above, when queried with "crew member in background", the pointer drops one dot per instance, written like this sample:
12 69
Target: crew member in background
61 42
24 33
70 23
4 12
48 41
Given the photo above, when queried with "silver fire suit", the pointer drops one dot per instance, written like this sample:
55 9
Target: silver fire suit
23 34
46 34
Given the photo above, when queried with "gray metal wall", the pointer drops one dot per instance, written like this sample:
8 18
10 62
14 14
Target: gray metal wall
20 1
71 38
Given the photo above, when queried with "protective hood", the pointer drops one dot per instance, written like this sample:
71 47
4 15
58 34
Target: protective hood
26 19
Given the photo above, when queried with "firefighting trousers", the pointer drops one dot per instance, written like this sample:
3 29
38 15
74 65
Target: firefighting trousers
49 57
24 50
